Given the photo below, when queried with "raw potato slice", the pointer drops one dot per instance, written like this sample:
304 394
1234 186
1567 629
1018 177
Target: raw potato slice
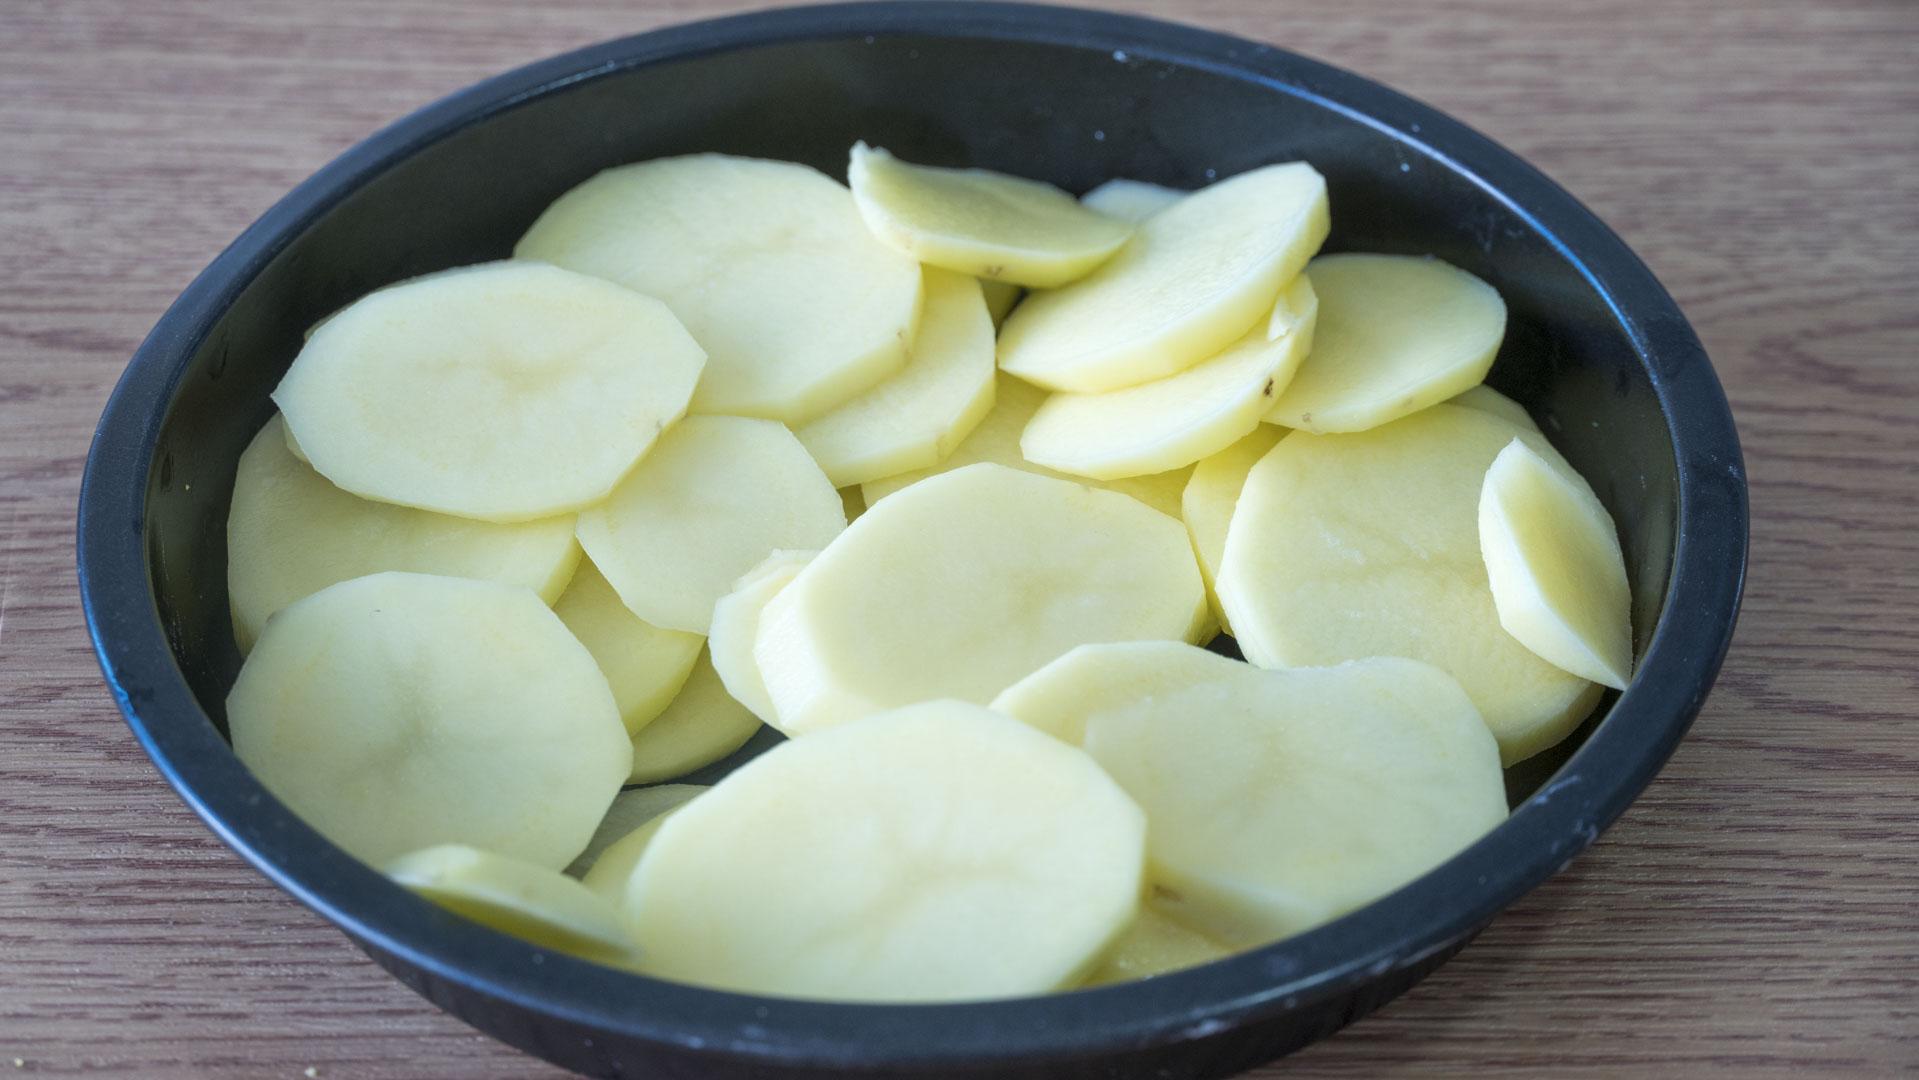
505 392
290 534
766 262
1486 399
532 902
400 711
644 664
962 584
1558 577
736 625
982 223
1192 280
1348 546
1396 334
1175 421
1154 945
1000 297
631 809
996 440
703 725
1282 799
1209 499
915 417
713 498
1130 200
1090 679
939 852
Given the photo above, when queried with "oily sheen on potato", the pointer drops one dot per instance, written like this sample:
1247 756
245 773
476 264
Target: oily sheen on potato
532 902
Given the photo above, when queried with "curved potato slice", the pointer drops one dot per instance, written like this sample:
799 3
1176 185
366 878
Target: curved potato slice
982 223
1089 679
645 665
1210 497
1154 944
632 808
505 392
701 726
534 903
1486 399
642 811
736 625
937 852
1130 200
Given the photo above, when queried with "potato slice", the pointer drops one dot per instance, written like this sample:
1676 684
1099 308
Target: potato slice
1209 499
1349 546
1130 200
701 726
978 222
505 392
916 416
938 852
400 711
766 262
962 584
736 625
1154 944
1192 280
631 809
1558 576
1396 334
1486 399
1000 297
712 499
644 664
532 902
996 440
1089 679
1173 422
290 534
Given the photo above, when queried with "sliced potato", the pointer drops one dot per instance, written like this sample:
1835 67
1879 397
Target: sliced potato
1175 421
1090 679
937 852
505 392
1189 283
916 416
996 440
401 711
1154 944
1558 576
978 222
631 809
1210 496
532 902
1130 200
701 726
766 262
1349 546
1395 334
290 534
736 625
1000 297
1486 399
712 499
647 808
644 664
962 584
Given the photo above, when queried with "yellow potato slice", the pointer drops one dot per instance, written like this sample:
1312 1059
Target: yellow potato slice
290 534
736 625
982 223
532 902
505 392
1282 799
1349 546
644 664
400 711
1000 297
938 852
1175 421
701 726
962 584
706 505
1154 944
766 262
1130 200
1089 679
996 440
1190 282
915 417
631 809
1558 576
1210 496
1395 334
1486 399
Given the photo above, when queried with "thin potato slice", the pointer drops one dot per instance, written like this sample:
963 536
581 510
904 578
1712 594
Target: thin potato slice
1190 282
1486 399
713 499
646 809
916 416
1395 335
736 625
644 664
1090 679
1209 499
290 534
400 711
631 809
505 392
978 222
1558 577
532 902
1175 421
766 262
1130 200
938 852
701 726
1154 944
962 584
1349 546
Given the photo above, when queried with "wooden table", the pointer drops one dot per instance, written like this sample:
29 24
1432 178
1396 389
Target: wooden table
1755 914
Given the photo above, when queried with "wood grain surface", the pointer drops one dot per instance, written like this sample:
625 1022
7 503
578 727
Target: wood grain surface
1756 914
